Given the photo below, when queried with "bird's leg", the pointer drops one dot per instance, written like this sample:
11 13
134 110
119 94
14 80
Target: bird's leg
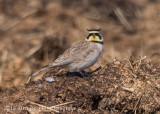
83 75
95 70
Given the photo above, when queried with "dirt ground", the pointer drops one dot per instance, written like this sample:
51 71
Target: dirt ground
33 33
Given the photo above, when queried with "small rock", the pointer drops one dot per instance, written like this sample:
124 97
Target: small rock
49 79
39 86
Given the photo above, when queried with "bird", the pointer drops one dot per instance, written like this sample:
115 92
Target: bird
80 56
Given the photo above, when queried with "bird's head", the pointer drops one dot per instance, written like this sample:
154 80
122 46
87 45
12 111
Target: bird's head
94 36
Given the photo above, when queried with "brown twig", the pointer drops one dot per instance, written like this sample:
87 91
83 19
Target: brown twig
124 108
138 103
60 87
156 99
128 89
151 83
29 78
131 72
140 61
51 107
46 107
130 64
62 104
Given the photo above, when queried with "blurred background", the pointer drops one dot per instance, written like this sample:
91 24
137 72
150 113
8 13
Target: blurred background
34 32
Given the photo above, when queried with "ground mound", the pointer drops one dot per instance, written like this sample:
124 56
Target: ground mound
130 86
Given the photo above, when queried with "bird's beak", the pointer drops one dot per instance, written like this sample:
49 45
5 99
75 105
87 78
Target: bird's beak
94 35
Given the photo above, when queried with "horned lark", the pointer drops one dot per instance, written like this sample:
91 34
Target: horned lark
80 56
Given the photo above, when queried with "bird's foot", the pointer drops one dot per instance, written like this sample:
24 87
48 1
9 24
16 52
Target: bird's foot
97 69
84 76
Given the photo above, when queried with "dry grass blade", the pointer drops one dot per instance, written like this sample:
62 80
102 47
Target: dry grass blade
156 99
48 108
32 51
139 63
128 89
60 87
151 83
134 70
124 108
16 22
138 103
4 58
130 64
135 76
51 107
122 18
142 58
29 79
62 104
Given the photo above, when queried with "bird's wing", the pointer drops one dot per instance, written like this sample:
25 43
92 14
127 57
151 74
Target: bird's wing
69 56
81 49
61 62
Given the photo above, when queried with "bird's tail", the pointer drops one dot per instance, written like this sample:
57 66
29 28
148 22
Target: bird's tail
41 70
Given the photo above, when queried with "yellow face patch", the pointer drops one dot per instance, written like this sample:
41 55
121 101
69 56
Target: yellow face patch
94 38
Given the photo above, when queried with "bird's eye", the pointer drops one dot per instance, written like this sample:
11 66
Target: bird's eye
97 34
90 34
